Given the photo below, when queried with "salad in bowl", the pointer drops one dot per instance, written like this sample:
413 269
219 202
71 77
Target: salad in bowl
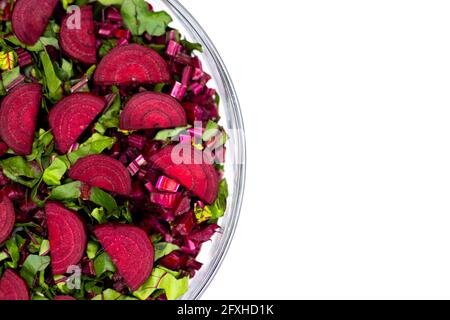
111 152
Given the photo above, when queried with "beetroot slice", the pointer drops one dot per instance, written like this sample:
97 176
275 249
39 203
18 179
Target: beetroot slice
72 115
7 218
18 117
131 64
103 172
67 236
131 251
201 179
64 298
13 287
150 110
30 18
79 43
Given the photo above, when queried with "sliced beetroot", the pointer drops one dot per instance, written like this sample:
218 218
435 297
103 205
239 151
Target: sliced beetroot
150 110
132 64
79 43
67 236
13 287
30 18
131 251
201 179
72 115
7 218
103 172
18 117
64 298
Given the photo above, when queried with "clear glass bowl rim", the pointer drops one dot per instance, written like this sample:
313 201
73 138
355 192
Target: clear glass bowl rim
238 144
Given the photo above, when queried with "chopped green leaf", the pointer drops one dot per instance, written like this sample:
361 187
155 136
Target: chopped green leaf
163 249
94 145
163 279
9 76
13 251
103 263
110 2
217 209
191 46
52 82
66 192
103 199
171 134
53 174
99 215
20 171
92 249
44 248
111 118
139 19
32 265
42 146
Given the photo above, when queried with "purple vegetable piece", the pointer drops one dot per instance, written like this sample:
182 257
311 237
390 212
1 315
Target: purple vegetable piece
13 287
150 110
103 172
131 251
7 218
30 18
132 64
71 116
18 117
78 42
67 236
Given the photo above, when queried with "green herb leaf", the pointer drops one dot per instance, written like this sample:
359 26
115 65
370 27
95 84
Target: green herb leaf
99 215
103 199
54 173
191 46
44 248
107 3
9 76
163 249
52 82
103 263
94 145
140 19
171 134
111 118
42 146
66 192
38 46
20 171
65 72
32 265
163 279
13 251
92 249
217 209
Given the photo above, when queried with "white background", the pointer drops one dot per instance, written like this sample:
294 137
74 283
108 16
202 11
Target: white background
347 111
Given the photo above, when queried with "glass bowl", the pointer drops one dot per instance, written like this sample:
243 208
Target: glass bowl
213 252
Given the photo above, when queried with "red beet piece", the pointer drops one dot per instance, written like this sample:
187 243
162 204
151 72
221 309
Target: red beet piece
72 115
103 172
67 236
30 18
201 179
64 298
18 117
131 251
131 64
13 287
7 218
150 110
79 43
